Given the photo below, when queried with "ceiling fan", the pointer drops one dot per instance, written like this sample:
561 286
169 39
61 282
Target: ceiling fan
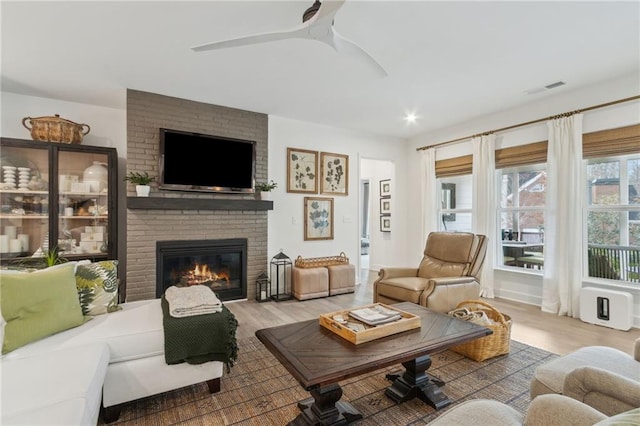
317 24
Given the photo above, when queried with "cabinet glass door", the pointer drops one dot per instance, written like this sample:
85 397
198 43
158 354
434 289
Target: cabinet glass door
83 220
24 201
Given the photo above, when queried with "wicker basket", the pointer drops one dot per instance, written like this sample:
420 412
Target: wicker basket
492 345
317 262
55 129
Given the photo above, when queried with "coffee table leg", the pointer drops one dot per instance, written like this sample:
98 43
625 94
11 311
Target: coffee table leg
415 382
325 408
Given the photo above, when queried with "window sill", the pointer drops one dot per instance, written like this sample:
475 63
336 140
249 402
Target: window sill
524 271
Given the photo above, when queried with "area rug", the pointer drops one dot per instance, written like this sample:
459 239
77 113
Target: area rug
259 391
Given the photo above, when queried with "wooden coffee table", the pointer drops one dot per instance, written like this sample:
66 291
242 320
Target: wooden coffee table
319 359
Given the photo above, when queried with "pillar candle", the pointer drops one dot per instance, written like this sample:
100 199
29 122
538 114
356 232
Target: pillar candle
15 246
11 232
24 240
4 244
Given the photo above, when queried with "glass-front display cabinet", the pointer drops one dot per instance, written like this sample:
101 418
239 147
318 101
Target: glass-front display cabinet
57 196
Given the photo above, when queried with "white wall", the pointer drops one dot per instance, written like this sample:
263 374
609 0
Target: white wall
287 219
523 286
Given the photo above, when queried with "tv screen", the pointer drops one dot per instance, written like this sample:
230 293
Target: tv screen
197 162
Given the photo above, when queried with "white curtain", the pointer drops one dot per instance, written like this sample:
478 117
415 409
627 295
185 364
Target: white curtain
563 213
484 204
430 193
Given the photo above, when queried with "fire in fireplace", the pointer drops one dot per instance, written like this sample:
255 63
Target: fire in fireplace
219 264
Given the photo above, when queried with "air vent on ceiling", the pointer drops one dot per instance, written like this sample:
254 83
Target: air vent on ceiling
543 88
554 85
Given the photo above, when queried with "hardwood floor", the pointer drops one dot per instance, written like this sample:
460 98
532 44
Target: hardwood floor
556 334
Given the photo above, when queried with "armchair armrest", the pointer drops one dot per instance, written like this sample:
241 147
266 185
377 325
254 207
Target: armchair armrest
451 280
386 273
584 380
636 350
555 410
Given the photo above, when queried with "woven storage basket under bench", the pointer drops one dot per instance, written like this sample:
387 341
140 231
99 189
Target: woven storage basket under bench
490 346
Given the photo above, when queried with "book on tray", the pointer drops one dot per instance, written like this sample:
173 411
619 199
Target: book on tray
375 315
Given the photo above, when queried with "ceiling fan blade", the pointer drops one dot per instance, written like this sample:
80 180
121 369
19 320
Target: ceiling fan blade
346 46
296 32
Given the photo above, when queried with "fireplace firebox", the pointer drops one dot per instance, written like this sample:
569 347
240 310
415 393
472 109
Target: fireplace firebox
219 264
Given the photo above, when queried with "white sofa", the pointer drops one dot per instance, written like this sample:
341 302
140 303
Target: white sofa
117 356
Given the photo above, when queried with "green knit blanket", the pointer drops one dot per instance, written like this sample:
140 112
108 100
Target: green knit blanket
200 338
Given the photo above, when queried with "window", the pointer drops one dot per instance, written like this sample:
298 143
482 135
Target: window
522 202
612 218
455 203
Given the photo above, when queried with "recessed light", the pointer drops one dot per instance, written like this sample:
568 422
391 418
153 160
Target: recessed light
410 117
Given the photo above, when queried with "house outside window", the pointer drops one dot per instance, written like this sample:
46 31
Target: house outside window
521 215
612 218
455 203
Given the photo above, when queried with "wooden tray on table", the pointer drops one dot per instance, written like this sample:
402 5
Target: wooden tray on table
366 332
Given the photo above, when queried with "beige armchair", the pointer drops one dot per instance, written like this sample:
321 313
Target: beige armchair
604 378
545 410
446 275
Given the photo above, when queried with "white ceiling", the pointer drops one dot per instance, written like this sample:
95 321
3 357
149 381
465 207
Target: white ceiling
447 61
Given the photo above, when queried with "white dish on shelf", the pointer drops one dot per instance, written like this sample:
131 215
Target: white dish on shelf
8 167
24 169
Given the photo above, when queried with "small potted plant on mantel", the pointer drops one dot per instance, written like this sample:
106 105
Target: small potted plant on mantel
141 181
265 189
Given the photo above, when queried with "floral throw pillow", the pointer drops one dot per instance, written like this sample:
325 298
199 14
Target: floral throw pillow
97 285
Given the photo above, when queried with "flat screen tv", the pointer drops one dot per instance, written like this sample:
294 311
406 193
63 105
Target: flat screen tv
197 162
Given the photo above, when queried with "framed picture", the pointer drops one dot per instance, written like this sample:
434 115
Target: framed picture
385 188
335 174
318 218
302 171
385 223
385 205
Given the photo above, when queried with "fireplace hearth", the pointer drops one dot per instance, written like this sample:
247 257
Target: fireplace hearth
219 264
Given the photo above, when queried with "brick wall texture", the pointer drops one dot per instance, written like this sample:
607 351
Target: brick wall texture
146 114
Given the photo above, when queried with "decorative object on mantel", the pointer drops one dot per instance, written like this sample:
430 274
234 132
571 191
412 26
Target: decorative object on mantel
302 171
55 129
335 174
141 181
281 267
265 189
262 288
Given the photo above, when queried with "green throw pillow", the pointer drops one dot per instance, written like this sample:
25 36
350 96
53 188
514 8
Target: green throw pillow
38 304
97 285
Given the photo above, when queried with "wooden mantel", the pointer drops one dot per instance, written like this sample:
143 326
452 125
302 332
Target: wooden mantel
162 203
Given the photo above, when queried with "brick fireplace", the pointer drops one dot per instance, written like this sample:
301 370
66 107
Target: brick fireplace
182 216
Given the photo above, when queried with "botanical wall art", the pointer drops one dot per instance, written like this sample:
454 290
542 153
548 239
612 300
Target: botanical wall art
385 188
385 223
302 171
318 218
334 174
385 205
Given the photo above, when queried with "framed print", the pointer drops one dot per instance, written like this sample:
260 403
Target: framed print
302 171
334 174
385 205
318 218
385 223
385 188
